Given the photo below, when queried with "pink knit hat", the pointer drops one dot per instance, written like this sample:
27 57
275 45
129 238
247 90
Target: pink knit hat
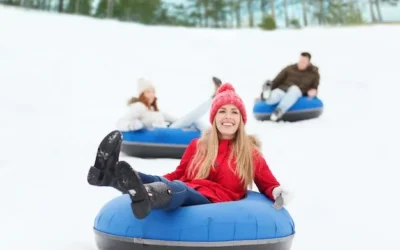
226 95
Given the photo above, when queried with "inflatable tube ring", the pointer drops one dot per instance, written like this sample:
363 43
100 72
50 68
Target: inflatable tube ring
248 224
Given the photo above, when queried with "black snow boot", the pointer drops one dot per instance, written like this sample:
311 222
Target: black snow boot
217 83
145 197
276 115
103 171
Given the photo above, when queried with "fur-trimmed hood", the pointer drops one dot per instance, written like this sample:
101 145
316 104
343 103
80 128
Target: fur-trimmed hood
133 100
256 141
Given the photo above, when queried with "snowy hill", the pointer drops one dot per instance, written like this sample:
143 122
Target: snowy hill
65 80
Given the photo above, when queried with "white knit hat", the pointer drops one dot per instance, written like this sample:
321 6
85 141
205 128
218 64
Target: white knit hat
143 85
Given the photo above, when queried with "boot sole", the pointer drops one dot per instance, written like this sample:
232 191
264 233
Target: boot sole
217 82
141 204
109 146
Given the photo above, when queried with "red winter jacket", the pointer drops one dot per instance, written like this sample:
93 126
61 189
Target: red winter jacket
223 184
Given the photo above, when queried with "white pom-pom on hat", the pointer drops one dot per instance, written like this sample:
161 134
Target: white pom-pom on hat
143 85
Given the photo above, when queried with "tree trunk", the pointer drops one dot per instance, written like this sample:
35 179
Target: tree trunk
110 8
322 13
60 5
272 6
378 10
206 13
200 11
238 15
42 5
305 12
371 10
232 13
263 5
250 11
224 17
76 7
285 11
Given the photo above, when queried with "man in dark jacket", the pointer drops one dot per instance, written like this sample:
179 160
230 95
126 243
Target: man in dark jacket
293 82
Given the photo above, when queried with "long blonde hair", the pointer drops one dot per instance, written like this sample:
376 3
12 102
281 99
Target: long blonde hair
242 150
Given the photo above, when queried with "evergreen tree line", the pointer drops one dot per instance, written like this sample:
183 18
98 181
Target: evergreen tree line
219 13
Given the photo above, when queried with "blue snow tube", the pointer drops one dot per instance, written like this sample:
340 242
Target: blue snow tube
304 108
248 224
158 142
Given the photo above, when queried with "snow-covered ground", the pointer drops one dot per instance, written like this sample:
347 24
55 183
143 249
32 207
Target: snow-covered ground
65 80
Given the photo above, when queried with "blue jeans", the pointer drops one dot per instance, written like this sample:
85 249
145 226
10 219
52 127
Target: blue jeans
285 99
193 117
182 195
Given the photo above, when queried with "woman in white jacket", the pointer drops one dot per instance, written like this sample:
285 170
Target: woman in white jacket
144 112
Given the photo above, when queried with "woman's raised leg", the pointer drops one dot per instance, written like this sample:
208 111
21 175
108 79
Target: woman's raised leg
163 194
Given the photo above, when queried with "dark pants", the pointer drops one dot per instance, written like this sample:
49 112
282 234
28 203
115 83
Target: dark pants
182 195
